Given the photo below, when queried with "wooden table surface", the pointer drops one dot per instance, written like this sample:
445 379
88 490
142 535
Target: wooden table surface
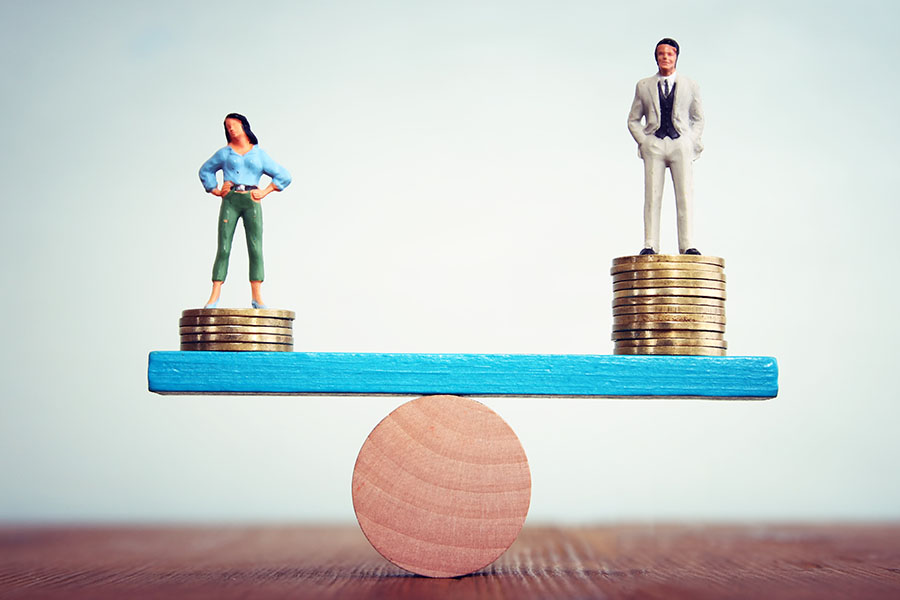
635 561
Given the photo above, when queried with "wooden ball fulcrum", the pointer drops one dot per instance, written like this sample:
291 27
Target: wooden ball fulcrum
441 486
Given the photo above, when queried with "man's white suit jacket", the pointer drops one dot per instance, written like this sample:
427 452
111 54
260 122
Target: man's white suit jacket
687 112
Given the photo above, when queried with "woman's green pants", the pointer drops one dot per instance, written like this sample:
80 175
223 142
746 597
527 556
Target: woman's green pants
239 205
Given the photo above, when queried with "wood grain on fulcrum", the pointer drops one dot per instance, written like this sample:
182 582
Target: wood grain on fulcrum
441 486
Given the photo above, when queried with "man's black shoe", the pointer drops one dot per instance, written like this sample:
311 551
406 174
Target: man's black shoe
692 251
650 251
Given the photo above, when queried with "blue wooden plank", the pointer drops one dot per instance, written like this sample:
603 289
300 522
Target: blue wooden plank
322 373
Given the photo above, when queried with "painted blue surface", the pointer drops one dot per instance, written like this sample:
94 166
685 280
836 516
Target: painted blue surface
322 373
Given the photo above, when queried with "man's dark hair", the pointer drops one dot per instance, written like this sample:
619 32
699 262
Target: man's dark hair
667 42
245 123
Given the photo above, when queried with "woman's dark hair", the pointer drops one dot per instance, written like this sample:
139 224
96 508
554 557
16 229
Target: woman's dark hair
245 123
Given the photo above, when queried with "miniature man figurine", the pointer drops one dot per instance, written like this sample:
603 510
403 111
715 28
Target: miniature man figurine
669 136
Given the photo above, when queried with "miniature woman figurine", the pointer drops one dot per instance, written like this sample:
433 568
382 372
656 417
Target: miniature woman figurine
242 163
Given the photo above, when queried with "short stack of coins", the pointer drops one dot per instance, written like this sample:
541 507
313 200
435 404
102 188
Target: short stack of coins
666 304
237 330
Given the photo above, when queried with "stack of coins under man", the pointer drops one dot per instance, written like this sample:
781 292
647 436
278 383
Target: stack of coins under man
237 329
669 305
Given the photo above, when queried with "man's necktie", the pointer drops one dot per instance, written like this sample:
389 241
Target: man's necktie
666 87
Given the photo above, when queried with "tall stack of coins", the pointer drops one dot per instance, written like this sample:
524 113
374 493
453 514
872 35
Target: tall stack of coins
237 329
666 304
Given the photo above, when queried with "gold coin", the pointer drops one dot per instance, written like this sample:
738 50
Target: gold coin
668 300
641 343
270 313
660 266
653 309
646 334
639 318
236 329
670 291
662 283
674 258
720 327
236 347
673 350
669 274
241 321
259 338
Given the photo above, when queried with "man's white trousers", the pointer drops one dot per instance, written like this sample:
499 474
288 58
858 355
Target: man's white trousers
678 156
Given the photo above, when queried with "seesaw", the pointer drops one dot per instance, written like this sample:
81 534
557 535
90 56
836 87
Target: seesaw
441 486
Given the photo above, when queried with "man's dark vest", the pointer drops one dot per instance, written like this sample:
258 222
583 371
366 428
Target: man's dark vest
666 129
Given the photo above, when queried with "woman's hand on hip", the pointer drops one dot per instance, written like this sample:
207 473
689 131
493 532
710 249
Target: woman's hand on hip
258 194
226 187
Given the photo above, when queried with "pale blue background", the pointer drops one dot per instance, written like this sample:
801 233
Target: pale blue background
462 177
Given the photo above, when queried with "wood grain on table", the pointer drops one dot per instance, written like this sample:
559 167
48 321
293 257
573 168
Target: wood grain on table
636 561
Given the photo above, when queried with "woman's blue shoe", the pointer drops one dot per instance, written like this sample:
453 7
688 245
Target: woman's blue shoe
256 304
212 304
